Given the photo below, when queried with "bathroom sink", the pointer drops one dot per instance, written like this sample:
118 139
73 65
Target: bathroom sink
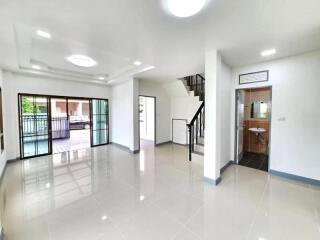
257 130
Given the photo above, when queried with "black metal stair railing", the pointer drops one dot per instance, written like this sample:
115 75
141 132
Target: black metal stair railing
196 129
196 83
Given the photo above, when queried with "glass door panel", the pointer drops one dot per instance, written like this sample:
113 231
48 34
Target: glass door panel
59 118
99 122
34 125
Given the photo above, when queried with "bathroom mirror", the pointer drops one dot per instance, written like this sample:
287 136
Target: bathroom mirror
259 110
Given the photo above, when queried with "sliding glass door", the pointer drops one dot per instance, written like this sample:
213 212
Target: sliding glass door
34 127
99 122
43 119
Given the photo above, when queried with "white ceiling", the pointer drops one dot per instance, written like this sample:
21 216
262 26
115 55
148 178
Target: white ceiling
118 32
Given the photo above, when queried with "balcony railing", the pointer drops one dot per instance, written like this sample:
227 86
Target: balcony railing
38 125
60 127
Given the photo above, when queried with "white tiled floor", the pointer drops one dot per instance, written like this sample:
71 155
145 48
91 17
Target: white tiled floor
107 193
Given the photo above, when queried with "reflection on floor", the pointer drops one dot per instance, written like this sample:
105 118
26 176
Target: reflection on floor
108 193
79 139
146 144
255 160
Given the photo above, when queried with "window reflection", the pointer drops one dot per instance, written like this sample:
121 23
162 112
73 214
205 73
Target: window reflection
53 183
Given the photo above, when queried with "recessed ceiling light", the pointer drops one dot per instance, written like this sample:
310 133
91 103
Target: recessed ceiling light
101 76
268 52
137 63
183 8
44 34
103 218
111 81
36 67
82 61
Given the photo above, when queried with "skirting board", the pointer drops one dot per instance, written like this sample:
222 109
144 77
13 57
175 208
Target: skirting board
217 181
125 148
159 144
295 177
226 166
212 181
13 160
180 144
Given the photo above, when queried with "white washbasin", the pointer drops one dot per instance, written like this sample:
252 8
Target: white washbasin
257 130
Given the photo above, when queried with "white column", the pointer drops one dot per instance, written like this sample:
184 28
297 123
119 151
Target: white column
212 110
135 116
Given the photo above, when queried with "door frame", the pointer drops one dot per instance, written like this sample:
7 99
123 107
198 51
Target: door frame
50 119
20 126
155 118
236 160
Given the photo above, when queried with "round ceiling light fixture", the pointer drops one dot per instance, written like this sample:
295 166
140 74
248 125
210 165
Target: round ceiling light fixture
137 63
185 8
82 61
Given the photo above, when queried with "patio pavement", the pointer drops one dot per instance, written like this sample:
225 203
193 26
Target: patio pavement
79 139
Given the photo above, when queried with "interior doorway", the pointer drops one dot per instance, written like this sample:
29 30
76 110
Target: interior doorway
70 123
253 127
147 120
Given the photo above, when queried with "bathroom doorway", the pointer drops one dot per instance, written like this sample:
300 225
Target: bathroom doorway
253 122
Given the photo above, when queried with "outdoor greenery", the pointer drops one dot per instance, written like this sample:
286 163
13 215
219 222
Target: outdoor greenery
28 107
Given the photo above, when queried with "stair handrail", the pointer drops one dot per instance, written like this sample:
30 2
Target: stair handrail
196 115
199 75
191 126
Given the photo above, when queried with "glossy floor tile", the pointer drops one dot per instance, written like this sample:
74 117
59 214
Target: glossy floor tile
108 193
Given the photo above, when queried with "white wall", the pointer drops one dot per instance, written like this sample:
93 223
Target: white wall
183 103
16 83
163 120
225 113
125 118
295 129
3 158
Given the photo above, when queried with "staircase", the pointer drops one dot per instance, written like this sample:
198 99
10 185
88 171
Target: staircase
196 83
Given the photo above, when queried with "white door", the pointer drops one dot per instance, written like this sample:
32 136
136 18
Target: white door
147 121
179 131
239 124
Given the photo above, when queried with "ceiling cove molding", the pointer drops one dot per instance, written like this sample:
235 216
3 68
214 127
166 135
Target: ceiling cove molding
42 74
